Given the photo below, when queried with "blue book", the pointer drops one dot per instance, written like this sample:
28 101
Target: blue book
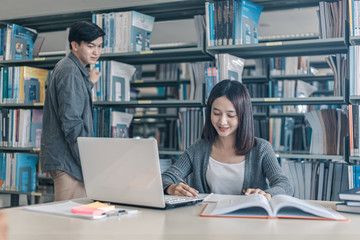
141 27
25 180
250 15
351 194
21 42
211 24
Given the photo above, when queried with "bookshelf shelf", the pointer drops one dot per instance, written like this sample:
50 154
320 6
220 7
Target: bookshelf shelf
141 116
254 79
355 40
260 115
190 54
158 83
14 196
305 77
293 115
306 155
298 101
22 105
151 104
42 62
161 10
20 149
284 48
355 99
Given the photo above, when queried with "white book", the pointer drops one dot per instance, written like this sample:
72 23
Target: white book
280 206
119 78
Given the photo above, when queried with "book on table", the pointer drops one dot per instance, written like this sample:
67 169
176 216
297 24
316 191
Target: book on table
280 206
351 194
344 207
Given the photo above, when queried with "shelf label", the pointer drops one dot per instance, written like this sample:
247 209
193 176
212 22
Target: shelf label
273 43
146 52
272 99
38 104
36 194
39 59
36 149
138 81
320 74
144 102
139 114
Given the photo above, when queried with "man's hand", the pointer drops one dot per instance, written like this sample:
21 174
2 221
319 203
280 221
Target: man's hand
95 75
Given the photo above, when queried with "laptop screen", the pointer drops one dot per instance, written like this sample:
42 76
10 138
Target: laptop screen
122 170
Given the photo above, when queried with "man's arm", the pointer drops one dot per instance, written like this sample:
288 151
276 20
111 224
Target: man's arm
71 102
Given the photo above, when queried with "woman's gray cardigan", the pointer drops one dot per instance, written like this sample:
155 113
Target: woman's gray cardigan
260 165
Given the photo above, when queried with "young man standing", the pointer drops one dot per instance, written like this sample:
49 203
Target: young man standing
68 110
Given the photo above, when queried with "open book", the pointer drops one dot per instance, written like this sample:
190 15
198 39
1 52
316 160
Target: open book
280 206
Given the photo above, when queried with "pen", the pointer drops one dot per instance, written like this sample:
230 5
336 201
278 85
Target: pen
180 178
115 213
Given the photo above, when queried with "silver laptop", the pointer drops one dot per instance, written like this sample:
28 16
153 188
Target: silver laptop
125 171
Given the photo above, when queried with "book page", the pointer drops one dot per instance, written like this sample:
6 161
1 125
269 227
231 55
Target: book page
286 206
212 197
234 204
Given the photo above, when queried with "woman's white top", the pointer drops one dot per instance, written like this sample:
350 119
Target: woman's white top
225 178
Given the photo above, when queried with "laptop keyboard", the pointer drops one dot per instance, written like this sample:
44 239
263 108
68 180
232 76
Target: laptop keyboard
171 199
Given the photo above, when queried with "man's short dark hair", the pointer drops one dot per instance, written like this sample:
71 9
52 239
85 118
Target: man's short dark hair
239 96
84 31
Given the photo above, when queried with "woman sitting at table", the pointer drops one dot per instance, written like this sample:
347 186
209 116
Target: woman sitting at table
228 159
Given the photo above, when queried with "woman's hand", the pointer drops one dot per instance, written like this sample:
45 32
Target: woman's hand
258 191
181 189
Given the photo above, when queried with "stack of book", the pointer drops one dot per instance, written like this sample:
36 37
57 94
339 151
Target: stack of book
351 200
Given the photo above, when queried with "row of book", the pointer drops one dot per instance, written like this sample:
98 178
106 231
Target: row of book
22 84
125 31
18 171
16 42
354 129
114 82
354 74
190 126
227 67
289 65
232 22
261 128
339 64
185 129
317 180
111 123
21 127
329 128
288 134
332 16
354 17
171 72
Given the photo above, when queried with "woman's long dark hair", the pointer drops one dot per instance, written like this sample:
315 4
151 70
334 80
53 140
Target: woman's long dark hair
239 96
